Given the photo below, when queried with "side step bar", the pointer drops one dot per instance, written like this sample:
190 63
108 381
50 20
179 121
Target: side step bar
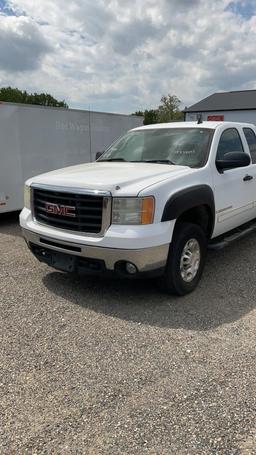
224 241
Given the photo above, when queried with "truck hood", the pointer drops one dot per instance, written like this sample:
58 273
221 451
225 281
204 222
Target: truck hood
118 177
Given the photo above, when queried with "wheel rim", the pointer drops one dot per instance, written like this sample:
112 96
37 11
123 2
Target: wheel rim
190 260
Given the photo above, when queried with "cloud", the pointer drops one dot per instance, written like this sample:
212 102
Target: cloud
114 55
127 37
22 44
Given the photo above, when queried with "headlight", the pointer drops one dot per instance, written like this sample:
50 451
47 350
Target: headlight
133 210
27 197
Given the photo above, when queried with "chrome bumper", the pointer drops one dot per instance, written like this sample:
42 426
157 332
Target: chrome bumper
145 259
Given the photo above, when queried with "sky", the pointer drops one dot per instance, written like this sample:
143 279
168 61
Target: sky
122 55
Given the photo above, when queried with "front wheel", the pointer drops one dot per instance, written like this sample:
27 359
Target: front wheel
186 259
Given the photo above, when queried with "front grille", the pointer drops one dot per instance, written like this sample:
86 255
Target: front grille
85 211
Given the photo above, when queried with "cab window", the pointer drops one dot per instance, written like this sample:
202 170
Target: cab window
251 141
230 141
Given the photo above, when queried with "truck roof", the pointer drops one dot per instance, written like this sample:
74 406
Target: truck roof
204 124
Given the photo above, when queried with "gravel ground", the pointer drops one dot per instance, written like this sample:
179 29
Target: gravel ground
97 367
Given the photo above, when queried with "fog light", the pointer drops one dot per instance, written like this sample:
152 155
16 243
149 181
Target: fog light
130 268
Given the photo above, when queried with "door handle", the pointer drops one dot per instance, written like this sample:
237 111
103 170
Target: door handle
247 178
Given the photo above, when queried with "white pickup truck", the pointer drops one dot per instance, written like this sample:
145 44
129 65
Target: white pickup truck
149 205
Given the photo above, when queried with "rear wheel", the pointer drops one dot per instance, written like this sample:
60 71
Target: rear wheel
186 259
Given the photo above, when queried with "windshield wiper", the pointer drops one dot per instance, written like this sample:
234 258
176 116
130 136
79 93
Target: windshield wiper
113 159
142 161
160 161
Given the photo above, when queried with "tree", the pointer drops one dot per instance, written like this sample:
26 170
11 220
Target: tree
150 117
167 111
138 113
14 95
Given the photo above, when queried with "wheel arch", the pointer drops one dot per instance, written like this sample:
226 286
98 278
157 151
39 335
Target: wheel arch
193 205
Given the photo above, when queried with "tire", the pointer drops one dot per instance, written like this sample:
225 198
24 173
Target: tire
185 261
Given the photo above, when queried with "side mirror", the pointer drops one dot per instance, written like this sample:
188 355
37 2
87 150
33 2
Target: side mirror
98 155
232 160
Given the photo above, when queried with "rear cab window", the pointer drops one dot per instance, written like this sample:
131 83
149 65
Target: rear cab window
251 141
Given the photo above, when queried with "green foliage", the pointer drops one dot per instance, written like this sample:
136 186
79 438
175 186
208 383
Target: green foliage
139 113
150 117
167 111
14 95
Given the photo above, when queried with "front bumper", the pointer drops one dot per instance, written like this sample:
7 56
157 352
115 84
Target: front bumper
112 259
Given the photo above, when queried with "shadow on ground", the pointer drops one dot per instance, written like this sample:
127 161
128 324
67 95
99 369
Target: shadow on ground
225 293
9 224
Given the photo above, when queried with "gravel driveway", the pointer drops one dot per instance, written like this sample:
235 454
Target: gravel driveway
95 367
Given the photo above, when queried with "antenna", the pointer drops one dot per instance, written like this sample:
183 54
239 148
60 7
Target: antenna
199 119
90 133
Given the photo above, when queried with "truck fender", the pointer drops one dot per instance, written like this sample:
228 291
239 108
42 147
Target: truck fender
187 199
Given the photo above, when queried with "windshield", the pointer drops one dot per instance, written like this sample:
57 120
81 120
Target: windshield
181 146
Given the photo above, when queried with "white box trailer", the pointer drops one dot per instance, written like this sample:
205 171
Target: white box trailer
37 139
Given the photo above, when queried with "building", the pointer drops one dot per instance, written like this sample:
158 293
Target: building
37 139
236 106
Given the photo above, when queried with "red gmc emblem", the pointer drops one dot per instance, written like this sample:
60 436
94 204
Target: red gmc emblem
62 210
